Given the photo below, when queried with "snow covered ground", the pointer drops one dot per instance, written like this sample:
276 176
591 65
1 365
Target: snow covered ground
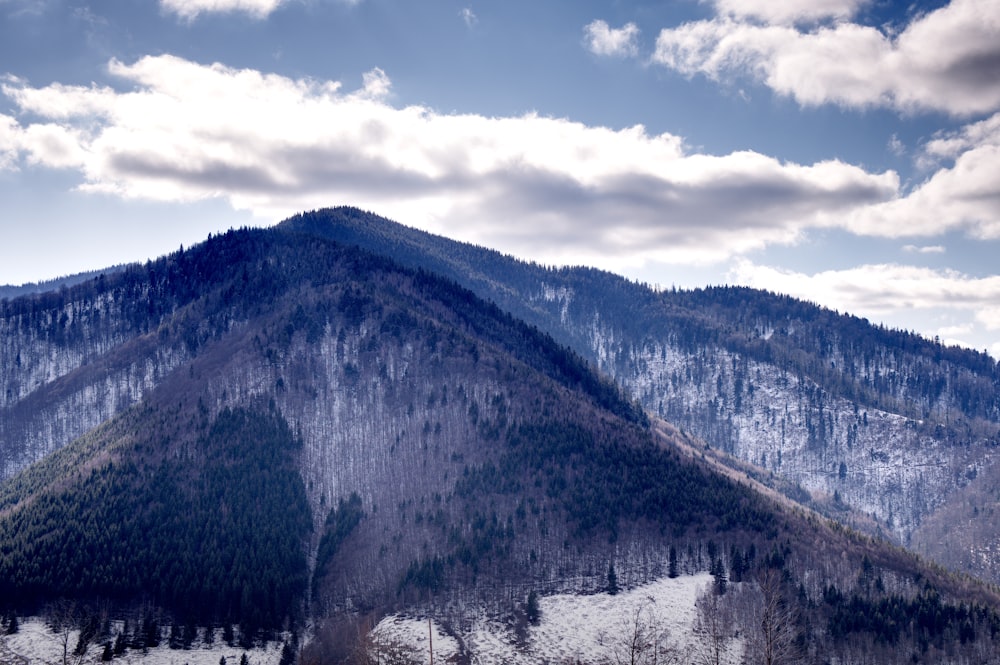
591 629
573 629
36 644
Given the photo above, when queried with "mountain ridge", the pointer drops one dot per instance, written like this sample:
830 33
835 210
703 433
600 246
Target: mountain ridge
397 443
292 328
884 421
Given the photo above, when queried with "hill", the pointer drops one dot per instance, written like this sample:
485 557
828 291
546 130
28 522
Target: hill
273 430
839 413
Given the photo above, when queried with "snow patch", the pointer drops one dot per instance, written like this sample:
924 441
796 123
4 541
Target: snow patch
573 628
36 644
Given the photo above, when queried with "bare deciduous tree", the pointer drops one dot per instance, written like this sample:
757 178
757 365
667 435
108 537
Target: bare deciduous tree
768 621
383 650
62 617
353 641
713 627
643 639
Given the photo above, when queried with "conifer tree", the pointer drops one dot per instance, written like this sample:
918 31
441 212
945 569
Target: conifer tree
532 610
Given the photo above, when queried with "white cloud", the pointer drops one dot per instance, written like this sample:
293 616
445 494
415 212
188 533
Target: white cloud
881 291
942 61
989 316
896 146
962 196
469 17
190 9
601 39
55 146
10 133
949 145
789 11
545 188
878 288
376 85
28 8
926 249
58 101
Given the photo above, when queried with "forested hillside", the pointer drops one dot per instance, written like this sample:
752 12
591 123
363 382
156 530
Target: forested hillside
883 421
184 527
303 386
272 430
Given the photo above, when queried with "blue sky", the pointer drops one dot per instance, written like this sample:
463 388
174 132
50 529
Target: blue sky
842 151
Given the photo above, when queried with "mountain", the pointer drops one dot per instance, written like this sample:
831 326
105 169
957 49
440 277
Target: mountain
841 413
278 430
10 291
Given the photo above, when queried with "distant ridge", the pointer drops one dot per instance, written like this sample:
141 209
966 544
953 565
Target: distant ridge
13 291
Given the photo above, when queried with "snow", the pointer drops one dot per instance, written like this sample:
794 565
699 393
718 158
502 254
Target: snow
416 634
893 469
36 644
573 628
586 629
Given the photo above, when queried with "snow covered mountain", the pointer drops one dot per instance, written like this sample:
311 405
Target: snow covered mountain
282 432
843 413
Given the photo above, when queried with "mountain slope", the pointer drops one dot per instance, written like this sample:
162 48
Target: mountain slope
321 434
356 374
883 421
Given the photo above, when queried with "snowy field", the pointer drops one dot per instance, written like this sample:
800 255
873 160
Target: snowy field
36 644
591 629
573 629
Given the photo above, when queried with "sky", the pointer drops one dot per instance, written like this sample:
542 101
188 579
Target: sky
842 151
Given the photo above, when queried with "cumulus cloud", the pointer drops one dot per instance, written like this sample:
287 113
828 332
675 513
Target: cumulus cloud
950 145
989 316
963 195
789 11
190 9
546 188
376 85
886 292
877 288
602 39
945 60
10 133
469 17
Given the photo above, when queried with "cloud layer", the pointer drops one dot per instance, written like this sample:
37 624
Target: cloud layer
548 188
944 61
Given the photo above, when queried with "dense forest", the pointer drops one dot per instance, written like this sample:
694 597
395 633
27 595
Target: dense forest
187 532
